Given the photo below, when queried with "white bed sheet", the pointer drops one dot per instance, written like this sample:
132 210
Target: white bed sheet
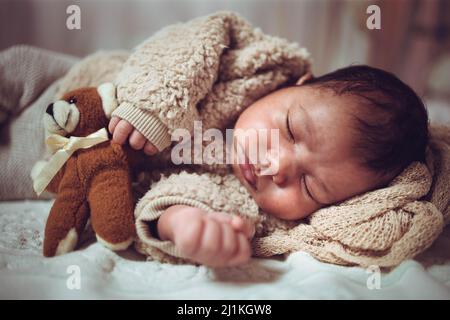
25 274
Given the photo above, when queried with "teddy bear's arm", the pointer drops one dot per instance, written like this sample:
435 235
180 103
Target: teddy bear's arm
69 213
112 206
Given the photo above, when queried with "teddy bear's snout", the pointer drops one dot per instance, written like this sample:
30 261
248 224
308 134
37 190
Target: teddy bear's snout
61 117
49 109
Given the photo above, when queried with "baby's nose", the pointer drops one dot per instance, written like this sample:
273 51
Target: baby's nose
269 165
280 167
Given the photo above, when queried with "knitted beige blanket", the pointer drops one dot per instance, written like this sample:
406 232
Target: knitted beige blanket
382 227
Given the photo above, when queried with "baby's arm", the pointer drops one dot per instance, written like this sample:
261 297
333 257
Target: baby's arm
214 239
184 204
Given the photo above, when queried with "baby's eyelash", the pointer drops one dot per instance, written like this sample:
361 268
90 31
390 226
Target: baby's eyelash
288 128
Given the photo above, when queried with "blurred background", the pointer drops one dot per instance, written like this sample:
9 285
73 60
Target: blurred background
413 42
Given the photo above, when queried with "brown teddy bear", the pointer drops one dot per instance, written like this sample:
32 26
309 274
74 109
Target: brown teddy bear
94 181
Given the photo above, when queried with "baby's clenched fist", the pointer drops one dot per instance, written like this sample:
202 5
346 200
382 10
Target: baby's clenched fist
214 239
122 131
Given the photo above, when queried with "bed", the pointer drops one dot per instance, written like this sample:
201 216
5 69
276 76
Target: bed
94 272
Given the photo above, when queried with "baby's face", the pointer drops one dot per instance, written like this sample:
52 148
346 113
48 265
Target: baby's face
315 161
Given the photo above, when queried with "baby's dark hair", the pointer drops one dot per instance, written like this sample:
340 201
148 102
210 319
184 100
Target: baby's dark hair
393 123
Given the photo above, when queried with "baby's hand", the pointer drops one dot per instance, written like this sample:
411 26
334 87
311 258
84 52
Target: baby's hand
123 130
213 239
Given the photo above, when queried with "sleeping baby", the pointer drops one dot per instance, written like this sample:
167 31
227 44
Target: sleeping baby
342 134
353 174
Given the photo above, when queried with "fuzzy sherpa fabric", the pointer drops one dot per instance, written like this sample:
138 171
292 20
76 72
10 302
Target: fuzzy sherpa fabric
211 69
382 227
92 71
207 69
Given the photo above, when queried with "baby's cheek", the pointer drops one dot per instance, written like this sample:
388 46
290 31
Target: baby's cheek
286 204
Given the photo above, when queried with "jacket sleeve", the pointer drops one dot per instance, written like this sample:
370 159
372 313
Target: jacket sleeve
210 68
207 191
166 76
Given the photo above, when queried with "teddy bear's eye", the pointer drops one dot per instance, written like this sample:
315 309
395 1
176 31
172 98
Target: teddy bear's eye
72 100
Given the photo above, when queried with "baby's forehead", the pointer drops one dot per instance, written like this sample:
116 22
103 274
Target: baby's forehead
309 96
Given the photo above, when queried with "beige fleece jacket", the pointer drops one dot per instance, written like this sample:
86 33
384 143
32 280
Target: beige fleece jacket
382 227
208 69
211 69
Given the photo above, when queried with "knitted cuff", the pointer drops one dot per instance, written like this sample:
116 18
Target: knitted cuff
153 211
146 123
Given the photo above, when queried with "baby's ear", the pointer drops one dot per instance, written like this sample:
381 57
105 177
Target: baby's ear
304 78
107 92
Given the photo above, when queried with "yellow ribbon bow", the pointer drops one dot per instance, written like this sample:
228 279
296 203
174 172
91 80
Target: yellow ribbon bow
64 148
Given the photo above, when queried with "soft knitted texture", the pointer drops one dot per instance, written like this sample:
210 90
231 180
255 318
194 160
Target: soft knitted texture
382 227
205 190
211 69
28 82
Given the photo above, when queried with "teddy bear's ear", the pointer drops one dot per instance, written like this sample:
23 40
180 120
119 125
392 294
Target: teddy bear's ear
107 92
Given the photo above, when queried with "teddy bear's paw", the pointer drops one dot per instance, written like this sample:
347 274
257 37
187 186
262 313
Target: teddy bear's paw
115 246
67 244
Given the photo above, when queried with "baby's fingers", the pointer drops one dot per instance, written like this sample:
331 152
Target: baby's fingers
238 223
243 252
220 217
150 149
230 244
112 124
137 140
243 225
211 242
122 131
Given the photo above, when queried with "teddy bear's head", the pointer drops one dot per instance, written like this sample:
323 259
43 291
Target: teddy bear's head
81 112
